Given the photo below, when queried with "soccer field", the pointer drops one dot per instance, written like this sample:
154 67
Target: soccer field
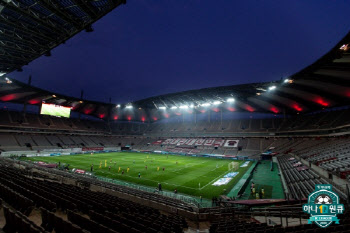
189 175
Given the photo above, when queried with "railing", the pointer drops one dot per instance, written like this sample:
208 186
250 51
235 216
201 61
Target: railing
195 201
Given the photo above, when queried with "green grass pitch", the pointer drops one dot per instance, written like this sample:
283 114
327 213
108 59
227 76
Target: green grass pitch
183 173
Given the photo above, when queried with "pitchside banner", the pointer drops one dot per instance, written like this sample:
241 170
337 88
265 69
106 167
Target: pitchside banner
231 143
92 149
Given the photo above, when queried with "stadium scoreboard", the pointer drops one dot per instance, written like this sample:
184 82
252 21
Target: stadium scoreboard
55 110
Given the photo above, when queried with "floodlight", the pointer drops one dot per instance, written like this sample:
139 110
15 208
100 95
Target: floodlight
205 104
118 106
192 106
128 106
8 81
173 107
162 107
345 47
184 106
272 88
230 100
217 102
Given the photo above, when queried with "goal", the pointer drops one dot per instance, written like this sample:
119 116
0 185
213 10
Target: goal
233 166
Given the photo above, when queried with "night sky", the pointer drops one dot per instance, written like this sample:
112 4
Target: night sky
152 47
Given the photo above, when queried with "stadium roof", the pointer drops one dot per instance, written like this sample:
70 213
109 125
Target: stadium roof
325 83
32 28
17 92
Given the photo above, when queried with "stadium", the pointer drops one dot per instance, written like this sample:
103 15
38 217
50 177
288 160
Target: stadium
237 158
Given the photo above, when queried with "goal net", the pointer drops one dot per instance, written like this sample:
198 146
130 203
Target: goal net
233 166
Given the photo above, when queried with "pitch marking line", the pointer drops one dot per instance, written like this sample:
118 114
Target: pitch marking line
217 168
177 170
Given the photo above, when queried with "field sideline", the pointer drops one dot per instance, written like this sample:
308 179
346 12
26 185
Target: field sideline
189 175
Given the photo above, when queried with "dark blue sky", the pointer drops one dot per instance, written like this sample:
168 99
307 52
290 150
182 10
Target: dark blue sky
151 47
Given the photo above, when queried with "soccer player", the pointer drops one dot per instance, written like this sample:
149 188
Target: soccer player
123 172
146 167
119 170
139 174
159 186
163 168
100 164
127 170
92 167
106 163
157 169
109 168
115 163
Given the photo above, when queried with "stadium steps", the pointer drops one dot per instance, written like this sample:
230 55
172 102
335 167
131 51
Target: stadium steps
49 141
17 141
40 122
36 144
10 117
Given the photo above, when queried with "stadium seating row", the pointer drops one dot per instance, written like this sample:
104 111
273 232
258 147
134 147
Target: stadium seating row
51 196
301 180
324 120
